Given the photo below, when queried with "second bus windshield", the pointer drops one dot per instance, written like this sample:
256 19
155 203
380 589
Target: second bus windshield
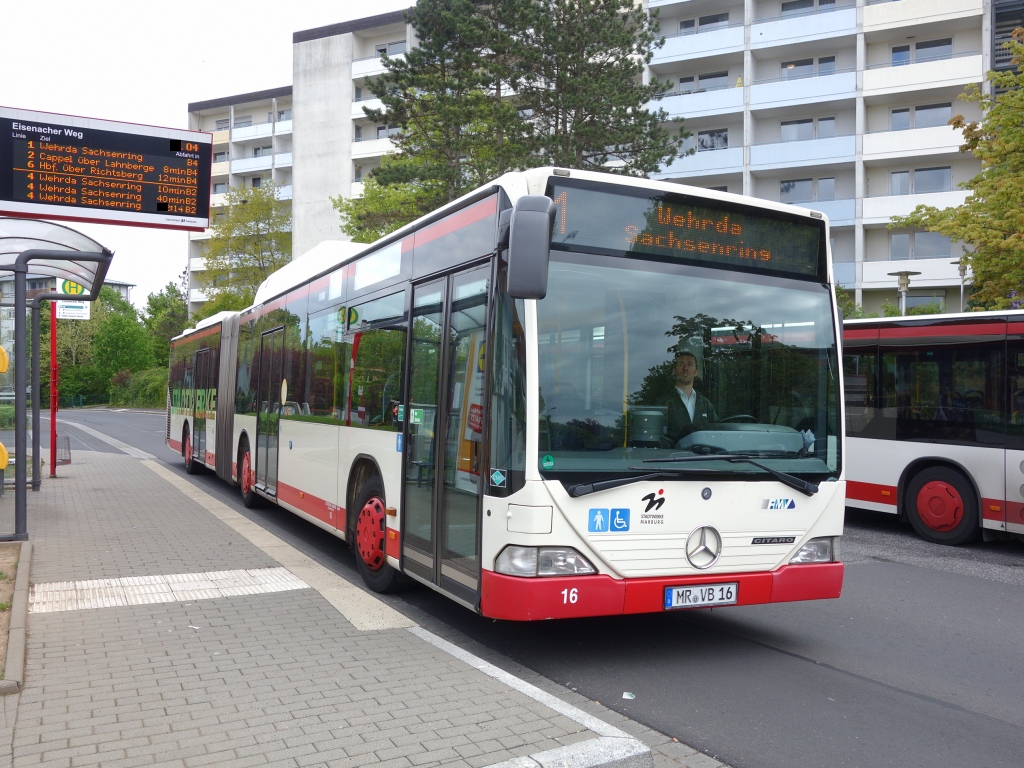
641 360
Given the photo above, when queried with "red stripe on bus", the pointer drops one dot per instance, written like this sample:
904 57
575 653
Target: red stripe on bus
992 509
458 220
980 329
175 444
881 494
1015 512
1015 327
210 459
197 335
852 333
526 599
393 543
312 505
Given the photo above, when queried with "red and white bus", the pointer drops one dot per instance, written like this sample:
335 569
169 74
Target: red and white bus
481 402
935 422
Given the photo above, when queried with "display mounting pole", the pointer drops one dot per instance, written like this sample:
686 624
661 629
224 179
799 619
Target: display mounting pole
54 373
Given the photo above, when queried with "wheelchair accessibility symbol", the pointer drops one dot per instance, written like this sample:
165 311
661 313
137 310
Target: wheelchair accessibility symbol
607 520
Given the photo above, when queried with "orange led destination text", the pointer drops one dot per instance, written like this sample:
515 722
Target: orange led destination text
688 221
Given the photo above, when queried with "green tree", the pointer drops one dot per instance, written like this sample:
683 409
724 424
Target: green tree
166 315
221 302
383 208
583 85
121 342
991 219
250 240
848 305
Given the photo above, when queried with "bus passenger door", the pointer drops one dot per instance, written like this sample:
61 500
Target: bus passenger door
199 389
268 398
445 414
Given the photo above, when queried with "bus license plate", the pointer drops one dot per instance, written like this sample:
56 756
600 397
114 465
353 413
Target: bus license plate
701 595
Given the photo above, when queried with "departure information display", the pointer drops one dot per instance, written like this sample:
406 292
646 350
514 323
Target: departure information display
82 169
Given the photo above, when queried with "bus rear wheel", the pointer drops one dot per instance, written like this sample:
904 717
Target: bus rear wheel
368 544
942 506
246 479
191 465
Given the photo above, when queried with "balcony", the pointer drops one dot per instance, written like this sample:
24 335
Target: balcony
880 16
254 131
935 273
793 154
250 164
879 210
700 103
196 264
776 92
222 168
371 66
841 213
719 161
954 72
283 160
357 189
885 145
716 41
282 127
370 103
791 30
221 137
371 147
285 191
218 200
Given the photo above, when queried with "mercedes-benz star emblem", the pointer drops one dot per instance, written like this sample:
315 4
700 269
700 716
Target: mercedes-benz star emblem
704 547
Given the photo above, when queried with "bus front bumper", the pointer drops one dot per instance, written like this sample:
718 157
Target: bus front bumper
529 599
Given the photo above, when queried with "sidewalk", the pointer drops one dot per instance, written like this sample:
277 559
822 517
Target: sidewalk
165 629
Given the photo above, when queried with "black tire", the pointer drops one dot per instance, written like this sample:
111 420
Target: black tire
192 466
246 481
368 539
942 506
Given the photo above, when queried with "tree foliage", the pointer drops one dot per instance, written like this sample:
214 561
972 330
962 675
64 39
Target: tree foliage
165 316
991 219
250 240
222 302
507 85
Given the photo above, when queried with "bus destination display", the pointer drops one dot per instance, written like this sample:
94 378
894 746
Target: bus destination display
685 228
62 167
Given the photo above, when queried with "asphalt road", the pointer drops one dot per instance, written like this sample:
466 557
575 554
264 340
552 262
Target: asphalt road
915 665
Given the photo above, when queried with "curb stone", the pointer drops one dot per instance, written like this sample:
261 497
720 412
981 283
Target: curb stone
14 666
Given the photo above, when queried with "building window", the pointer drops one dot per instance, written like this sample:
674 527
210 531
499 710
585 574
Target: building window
921 181
800 7
710 80
223 124
704 23
257 182
925 116
220 187
935 299
723 188
919 245
386 131
391 49
357 133
807 190
808 128
359 173
708 141
931 50
794 70
284 114
243 122
220 157
262 151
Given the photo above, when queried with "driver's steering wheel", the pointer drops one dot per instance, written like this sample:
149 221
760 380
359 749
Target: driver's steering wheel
743 418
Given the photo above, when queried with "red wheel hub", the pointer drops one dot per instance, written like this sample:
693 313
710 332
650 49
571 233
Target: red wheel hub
246 474
370 533
939 506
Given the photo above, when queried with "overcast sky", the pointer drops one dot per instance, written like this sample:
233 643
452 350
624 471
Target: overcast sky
143 62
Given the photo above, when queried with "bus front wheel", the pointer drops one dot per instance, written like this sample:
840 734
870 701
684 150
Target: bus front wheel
369 539
942 506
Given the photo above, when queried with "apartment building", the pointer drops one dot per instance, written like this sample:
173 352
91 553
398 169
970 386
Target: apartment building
837 105
252 145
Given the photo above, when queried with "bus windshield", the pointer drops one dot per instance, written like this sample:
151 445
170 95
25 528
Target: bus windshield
643 361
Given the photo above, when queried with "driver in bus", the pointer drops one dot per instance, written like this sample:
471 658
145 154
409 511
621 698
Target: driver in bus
687 408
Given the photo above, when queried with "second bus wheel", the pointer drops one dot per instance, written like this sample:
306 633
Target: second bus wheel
246 478
192 466
942 506
369 539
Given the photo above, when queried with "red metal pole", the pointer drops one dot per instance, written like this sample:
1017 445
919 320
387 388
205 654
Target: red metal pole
53 389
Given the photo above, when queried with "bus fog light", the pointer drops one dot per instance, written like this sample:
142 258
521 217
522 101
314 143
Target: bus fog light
814 551
517 561
562 561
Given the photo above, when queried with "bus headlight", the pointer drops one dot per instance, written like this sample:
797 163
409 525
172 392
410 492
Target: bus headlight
818 551
516 560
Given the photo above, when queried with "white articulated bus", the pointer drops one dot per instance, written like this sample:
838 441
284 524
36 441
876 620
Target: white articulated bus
488 402
935 421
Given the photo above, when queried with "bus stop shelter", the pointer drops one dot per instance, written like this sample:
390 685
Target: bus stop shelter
40 248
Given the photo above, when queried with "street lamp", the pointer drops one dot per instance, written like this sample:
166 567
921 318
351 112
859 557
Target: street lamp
962 269
904 287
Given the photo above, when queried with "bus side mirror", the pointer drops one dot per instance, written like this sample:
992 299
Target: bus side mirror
529 244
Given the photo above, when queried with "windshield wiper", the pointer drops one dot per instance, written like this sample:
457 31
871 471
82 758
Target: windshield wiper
582 489
792 481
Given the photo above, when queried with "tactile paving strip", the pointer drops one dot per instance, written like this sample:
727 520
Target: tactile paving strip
170 588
